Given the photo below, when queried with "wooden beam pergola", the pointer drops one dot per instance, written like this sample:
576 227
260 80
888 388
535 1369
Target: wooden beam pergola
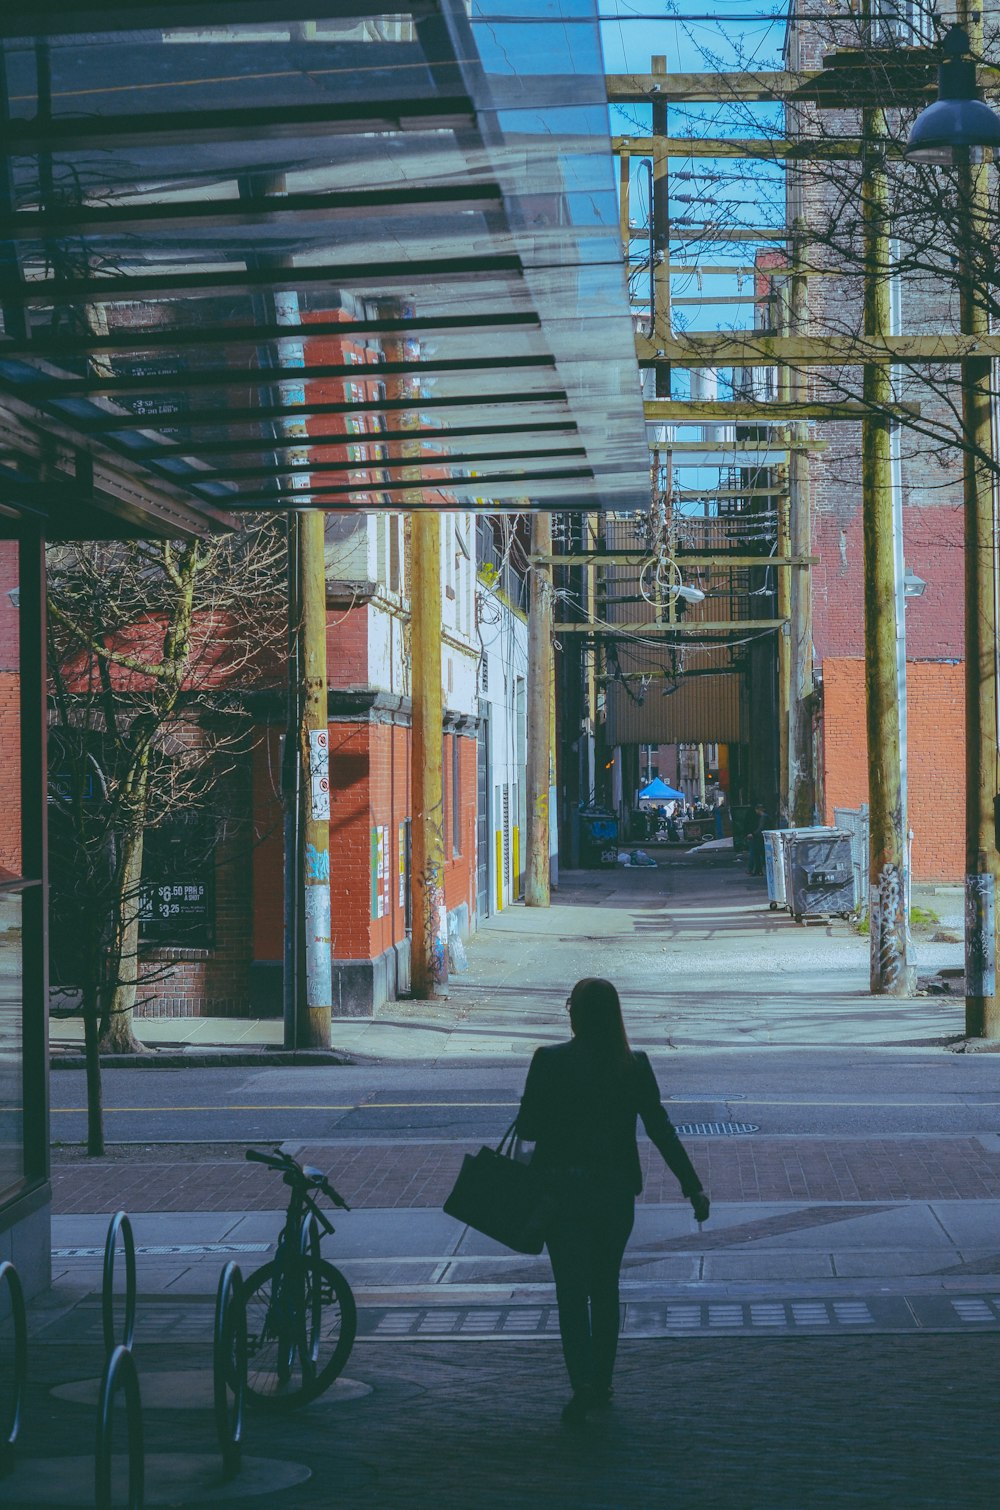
711 626
678 411
636 558
708 349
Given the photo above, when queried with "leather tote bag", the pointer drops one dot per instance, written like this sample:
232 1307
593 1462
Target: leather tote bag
502 1198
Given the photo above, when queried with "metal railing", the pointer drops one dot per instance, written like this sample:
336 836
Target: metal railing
119 1224
230 1366
10 1410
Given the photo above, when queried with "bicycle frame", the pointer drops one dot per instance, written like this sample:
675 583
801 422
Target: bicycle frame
297 1255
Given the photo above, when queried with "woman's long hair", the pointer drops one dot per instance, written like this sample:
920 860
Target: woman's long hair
595 1015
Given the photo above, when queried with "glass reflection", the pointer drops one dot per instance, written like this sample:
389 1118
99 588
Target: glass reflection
11 1051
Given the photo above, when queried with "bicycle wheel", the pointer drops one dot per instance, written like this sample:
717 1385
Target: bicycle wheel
332 1324
296 1350
276 1340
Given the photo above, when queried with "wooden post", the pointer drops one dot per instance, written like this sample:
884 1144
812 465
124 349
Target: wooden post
784 591
540 661
891 969
314 749
982 1010
429 941
801 755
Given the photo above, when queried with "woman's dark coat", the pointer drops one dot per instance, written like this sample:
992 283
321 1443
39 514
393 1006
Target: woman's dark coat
580 1116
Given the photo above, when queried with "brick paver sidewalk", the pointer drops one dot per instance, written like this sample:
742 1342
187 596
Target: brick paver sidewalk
714 1424
415 1174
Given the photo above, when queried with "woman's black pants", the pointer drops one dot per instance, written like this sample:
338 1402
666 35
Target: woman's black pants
586 1243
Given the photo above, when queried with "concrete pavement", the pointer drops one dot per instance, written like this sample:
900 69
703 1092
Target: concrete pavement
700 960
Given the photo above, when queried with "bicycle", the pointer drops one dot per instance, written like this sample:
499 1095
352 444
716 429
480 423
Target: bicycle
301 1314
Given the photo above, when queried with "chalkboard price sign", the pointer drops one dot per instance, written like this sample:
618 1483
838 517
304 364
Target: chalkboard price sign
176 912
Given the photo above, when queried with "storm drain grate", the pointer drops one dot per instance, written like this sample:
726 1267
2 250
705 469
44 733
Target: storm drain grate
716 1129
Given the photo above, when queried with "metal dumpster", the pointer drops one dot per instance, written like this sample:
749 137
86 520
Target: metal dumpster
598 838
819 875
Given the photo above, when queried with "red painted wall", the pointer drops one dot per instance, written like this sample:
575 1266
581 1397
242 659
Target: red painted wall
936 766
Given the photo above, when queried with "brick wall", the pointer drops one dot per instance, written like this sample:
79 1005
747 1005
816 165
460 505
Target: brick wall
933 548
347 647
370 788
936 766
350 840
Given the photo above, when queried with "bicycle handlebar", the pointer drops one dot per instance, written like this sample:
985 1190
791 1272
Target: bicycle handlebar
293 1171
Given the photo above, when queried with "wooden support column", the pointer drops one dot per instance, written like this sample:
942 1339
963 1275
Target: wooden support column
540 663
891 969
801 749
429 942
315 1010
982 1009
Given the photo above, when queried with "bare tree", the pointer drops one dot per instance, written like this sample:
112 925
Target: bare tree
153 647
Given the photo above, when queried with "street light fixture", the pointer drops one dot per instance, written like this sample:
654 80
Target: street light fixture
913 586
689 594
958 127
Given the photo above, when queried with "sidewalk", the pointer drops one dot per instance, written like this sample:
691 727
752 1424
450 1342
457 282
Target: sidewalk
699 959
756 1423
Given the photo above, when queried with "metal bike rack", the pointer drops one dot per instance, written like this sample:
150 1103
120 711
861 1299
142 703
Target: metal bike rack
120 1374
119 1224
230 1366
10 1422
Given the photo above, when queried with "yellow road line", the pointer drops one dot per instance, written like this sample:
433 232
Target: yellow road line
379 1106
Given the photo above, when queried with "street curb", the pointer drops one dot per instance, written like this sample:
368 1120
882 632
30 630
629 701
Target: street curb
201 1059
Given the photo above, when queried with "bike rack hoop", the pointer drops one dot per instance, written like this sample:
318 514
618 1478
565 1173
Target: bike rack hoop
119 1223
120 1374
230 1366
10 1422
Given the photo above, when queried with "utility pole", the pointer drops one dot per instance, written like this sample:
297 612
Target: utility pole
315 1012
801 758
982 1010
891 969
429 940
307 867
540 666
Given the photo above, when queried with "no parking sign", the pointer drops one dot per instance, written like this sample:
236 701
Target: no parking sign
319 773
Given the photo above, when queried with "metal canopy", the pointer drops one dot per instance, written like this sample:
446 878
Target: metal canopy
259 254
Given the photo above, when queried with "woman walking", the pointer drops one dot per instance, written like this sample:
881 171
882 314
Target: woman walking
579 1106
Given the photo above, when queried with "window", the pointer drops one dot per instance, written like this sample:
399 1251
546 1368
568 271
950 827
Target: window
395 526
456 795
177 906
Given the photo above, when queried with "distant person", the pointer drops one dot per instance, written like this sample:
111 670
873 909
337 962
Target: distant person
579 1107
755 840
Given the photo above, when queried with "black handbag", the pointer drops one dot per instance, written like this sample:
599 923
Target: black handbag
501 1197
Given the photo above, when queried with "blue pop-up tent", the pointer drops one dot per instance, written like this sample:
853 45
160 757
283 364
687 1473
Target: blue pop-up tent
658 791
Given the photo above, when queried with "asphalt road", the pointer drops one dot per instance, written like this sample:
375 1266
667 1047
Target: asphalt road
790 1092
